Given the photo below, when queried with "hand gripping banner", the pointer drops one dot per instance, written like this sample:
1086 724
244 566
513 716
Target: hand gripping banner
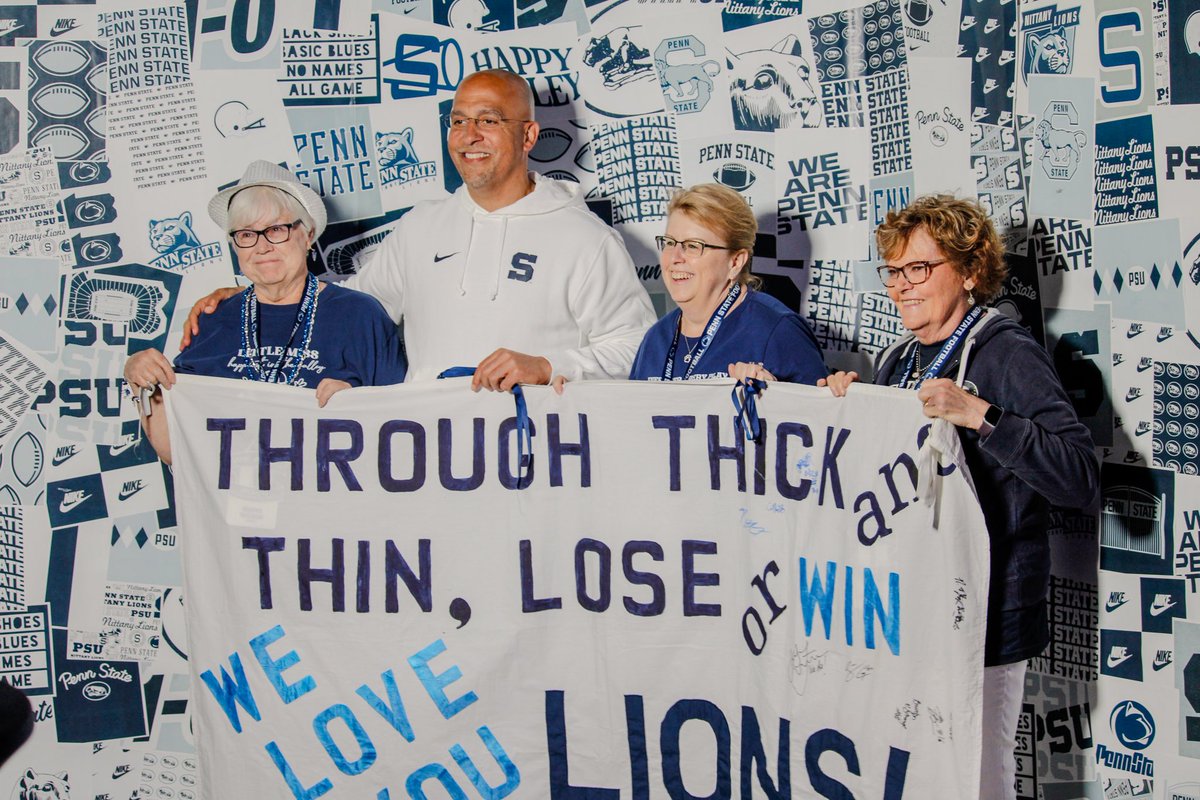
382 603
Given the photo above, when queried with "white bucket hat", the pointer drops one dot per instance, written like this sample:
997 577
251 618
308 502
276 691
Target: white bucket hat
264 173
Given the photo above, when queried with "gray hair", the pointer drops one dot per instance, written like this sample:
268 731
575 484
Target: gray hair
256 202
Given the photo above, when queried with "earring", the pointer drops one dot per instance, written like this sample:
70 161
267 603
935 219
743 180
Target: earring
970 298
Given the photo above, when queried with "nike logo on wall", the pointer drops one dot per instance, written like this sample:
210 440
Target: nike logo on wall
129 491
64 454
64 26
117 449
1164 334
1161 604
71 500
438 259
1117 659
1161 660
1111 605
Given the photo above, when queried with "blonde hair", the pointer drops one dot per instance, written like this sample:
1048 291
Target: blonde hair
963 231
726 212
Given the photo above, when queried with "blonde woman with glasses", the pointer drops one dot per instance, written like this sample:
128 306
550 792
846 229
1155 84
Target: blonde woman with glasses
723 326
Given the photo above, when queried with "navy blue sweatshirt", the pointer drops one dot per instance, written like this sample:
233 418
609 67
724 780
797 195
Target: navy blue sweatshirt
1039 455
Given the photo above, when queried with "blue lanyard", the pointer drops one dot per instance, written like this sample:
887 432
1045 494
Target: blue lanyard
524 430
710 333
306 315
909 381
744 393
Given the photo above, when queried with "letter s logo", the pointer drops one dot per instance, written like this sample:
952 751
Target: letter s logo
1125 58
522 267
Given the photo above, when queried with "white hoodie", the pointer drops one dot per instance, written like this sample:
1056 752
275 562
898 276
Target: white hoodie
543 276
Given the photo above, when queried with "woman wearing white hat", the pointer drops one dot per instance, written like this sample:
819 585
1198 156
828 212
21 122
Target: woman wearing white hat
288 327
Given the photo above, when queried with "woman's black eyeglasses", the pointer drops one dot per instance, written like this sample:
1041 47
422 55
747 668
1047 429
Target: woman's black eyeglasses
275 234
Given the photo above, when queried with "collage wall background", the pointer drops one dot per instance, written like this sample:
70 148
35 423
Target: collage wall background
1074 124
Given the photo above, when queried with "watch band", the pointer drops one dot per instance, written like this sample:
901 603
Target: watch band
991 418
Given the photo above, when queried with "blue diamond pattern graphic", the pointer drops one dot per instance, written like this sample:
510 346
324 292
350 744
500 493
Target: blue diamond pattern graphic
1177 274
1118 281
141 538
1155 275
50 305
1096 282
22 303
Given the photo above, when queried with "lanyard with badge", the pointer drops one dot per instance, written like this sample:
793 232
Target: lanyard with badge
710 333
259 367
914 376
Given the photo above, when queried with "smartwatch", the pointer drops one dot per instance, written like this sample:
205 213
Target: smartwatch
991 418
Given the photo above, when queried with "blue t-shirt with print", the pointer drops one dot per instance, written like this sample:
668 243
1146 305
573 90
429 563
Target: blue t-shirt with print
353 340
760 329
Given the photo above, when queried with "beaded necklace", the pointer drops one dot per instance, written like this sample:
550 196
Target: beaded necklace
259 366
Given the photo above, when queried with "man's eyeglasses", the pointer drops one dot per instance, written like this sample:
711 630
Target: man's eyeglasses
692 248
275 234
914 272
488 122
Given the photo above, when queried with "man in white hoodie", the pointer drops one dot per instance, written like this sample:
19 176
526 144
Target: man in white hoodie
512 258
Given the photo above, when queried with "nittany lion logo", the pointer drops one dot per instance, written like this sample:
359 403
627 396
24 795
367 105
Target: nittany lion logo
685 77
772 89
173 233
1133 724
1060 146
395 149
1048 41
686 80
399 163
1048 52
44 786
176 242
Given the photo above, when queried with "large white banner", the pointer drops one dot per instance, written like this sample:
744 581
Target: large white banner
382 604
